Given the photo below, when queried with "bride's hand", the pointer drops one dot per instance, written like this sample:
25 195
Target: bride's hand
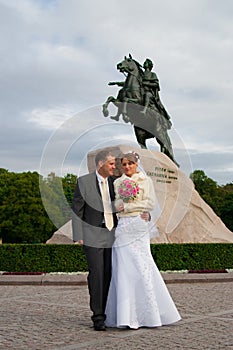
146 216
121 207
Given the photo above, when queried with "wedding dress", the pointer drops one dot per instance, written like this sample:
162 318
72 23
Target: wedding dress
138 296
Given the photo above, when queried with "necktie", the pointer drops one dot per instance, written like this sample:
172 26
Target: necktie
107 206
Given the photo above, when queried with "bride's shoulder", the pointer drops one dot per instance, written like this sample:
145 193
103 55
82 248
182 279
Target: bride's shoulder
140 176
119 179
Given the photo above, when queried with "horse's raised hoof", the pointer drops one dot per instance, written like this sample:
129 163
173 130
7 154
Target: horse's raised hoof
116 117
143 146
105 111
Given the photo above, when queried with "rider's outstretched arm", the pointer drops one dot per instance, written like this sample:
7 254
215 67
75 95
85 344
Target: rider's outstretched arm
118 83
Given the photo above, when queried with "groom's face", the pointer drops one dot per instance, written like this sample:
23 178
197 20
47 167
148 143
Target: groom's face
106 168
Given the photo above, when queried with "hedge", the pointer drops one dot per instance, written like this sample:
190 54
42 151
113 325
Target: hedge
71 258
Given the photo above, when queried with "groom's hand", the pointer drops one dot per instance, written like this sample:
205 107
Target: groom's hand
79 242
146 216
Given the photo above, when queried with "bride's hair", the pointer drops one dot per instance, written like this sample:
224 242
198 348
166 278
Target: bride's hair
132 156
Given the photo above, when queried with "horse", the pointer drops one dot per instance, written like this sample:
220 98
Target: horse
130 102
131 88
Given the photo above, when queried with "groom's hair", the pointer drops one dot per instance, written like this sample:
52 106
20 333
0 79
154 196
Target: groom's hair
102 156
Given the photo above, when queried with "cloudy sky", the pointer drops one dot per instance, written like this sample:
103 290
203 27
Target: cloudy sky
57 57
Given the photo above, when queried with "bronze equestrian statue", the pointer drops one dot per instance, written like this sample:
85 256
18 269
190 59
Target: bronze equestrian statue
139 103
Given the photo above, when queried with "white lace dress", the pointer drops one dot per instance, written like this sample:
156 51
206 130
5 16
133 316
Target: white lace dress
138 296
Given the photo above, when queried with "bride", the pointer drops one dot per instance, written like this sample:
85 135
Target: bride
138 296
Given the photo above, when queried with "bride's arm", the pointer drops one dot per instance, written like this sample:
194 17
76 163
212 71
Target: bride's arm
118 202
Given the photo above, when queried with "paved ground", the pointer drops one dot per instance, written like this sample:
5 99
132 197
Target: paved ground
57 317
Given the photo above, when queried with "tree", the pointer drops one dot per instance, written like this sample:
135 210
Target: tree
69 184
33 207
23 218
219 198
208 189
57 196
226 210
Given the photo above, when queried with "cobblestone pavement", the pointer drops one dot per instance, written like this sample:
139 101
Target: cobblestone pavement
58 318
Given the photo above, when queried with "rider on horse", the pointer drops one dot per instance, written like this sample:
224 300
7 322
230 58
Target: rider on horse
151 87
141 90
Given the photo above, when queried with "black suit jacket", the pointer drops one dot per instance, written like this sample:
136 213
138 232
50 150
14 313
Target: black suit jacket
88 212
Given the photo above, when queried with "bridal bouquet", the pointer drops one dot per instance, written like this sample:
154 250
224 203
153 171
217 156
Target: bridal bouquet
128 190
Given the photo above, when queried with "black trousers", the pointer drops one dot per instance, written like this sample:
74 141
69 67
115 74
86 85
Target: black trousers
99 262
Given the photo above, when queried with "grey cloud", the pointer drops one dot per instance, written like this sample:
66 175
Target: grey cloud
60 53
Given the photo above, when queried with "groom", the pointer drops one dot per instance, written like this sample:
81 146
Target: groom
94 228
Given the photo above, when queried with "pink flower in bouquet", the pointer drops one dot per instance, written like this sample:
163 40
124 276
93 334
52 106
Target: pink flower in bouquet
134 191
121 191
128 190
128 185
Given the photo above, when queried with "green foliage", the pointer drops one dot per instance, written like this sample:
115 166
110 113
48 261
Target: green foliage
219 198
33 207
22 214
71 258
207 188
226 210
54 200
69 184
193 256
42 258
